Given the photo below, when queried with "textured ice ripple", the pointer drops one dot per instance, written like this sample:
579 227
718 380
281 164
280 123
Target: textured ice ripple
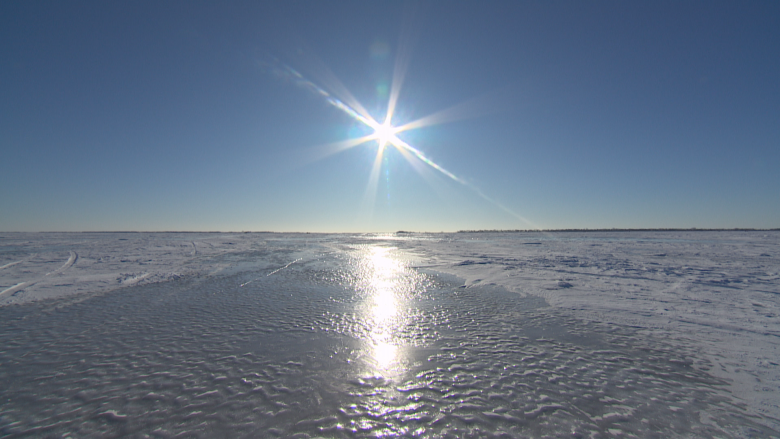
287 355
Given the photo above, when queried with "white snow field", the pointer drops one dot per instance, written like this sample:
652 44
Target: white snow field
592 334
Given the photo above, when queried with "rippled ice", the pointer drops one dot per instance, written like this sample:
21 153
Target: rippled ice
350 344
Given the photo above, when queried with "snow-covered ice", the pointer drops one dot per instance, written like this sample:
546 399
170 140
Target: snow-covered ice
652 334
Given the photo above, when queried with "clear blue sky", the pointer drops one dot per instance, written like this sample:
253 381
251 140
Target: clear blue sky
178 115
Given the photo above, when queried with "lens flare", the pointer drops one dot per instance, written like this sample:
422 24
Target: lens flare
385 133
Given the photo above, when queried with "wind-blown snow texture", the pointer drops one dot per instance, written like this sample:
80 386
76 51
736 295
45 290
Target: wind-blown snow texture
442 335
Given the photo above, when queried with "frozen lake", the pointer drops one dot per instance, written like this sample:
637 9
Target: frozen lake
460 335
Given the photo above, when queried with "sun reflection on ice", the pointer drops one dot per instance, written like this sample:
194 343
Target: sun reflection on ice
385 282
385 271
384 354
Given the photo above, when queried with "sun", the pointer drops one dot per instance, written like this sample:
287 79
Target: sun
384 134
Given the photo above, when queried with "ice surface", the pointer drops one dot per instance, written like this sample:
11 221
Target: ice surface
716 292
649 334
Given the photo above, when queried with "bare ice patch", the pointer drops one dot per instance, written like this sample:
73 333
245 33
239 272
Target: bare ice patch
348 341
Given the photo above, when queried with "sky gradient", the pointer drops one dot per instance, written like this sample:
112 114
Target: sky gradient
565 114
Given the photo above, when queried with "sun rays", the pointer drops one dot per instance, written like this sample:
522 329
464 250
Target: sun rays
385 134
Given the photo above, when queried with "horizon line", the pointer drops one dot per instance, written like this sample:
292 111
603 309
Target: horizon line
613 229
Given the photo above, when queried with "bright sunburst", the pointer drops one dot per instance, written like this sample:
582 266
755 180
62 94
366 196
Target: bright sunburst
385 134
